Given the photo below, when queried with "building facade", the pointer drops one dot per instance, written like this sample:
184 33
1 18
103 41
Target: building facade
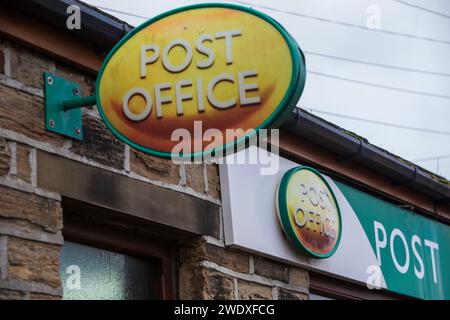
95 219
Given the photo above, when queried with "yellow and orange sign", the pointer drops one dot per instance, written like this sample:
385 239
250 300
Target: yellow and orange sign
309 212
227 66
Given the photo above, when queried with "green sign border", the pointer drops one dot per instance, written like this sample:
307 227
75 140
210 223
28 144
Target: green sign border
283 211
275 120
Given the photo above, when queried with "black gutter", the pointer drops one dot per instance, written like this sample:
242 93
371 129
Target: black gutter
349 147
104 31
98 27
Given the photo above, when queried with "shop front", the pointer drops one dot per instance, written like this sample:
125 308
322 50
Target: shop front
93 207
312 220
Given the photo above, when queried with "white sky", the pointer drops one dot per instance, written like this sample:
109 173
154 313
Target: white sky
358 100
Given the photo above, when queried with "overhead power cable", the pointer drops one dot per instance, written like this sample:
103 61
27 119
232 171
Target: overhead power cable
123 12
347 24
321 54
334 57
388 66
446 156
387 124
423 93
342 23
422 8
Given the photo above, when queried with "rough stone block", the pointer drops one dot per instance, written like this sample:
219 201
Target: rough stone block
99 144
212 172
197 282
28 66
198 250
254 291
24 113
195 178
34 261
11 295
39 296
271 269
23 162
5 157
299 277
290 295
34 209
154 168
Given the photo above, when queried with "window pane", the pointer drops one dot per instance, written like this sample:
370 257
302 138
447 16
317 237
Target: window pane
88 273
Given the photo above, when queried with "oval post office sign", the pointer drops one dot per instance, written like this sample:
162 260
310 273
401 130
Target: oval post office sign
209 68
309 212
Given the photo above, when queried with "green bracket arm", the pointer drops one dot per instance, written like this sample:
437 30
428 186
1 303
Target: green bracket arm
77 103
63 106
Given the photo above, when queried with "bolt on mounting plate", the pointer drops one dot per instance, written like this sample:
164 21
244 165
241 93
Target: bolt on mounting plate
67 123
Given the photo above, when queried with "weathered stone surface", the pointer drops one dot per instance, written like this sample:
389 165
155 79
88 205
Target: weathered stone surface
197 282
40 296
99 144
39 211
190 280
3 256
5 157
271 269
28 66
26 230
2 61
299 277
290 295
254 291
198 250
23 162
218 286
24 113
154 168
69 73
34 261
195 178
212 172
11 295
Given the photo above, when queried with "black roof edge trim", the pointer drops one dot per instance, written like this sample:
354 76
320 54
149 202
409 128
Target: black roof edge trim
343 144
408 181
99 28
353 155
443 201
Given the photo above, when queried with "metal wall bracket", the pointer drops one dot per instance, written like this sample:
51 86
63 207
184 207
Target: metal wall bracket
63 106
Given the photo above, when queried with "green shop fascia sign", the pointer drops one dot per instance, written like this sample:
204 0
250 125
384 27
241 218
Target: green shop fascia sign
361 237
413 252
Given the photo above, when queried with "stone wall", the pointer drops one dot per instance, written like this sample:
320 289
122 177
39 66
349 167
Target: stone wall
208 270
31 218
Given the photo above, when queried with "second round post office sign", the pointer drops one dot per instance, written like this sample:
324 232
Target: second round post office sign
308 212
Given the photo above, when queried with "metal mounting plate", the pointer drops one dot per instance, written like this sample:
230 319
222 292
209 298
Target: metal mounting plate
67 123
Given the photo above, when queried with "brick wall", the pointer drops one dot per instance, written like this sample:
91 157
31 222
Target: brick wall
31 218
